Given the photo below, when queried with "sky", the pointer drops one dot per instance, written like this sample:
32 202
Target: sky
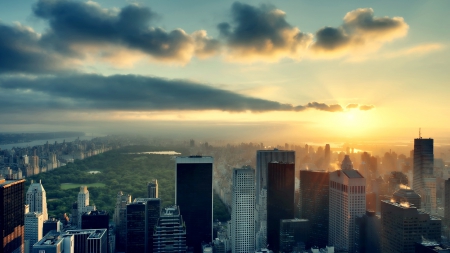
253 70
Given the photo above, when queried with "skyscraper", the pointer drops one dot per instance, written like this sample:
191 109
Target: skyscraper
170 233
152 189
142 217
327 157
36 199
243 207
83 204
194 196
314 202
424 183
263 158
280 199
347 201
34 223
12 215
120 219
402 225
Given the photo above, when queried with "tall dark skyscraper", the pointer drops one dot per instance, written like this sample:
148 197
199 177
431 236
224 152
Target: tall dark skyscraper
142 217
194 196
280 199
314 203
263 158
424 183
12 215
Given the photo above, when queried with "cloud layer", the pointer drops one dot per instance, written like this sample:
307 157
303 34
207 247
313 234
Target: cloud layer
131 93
262 33
361 31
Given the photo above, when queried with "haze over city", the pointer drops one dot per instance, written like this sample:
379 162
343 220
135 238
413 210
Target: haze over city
286 70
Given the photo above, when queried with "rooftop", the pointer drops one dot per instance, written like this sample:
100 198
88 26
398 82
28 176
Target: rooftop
352 173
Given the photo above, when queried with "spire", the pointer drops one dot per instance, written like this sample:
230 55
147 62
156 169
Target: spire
347 164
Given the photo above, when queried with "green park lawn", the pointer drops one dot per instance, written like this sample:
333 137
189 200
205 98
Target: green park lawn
66 186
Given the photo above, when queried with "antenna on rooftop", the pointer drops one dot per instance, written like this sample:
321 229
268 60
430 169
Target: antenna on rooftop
420 134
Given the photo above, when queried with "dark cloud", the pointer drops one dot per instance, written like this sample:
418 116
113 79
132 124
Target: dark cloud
361 30
74 23
352 106
262 34
131 93
20 52
366 107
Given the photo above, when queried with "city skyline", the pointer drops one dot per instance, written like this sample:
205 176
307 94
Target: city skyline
228 69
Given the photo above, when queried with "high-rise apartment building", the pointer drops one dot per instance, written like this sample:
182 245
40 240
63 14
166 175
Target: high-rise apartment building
36 199
242 211
194 196
347 201
263 158
170 234
403 225
280 199
34 223
152 189
314 202
12 215
424 182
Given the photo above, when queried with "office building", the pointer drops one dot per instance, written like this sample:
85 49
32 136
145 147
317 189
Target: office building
34 223
12 215
51 224
170 234
89 240
263 158
36 199
280 199
314 202
424 182
347 201
142 217
120 219
152 189
54 242
403 225
407 195
293 234
194 196
368 233
447 202
242 211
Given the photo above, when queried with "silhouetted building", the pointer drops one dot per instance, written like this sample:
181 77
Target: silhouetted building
89 240
194 196
142 217
263 158
96 220
12 215
242 211
52 224
280 199
424 182
152 189
368 233
293 232
170 234
407 195
347 201
314 203
403 225
120 219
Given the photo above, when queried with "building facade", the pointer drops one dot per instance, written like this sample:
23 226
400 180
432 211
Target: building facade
120 219
12 215
424 182
36 199
314 201
152 189
34 223
194 196
280 199
263 158
242 211
170 234
347 201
